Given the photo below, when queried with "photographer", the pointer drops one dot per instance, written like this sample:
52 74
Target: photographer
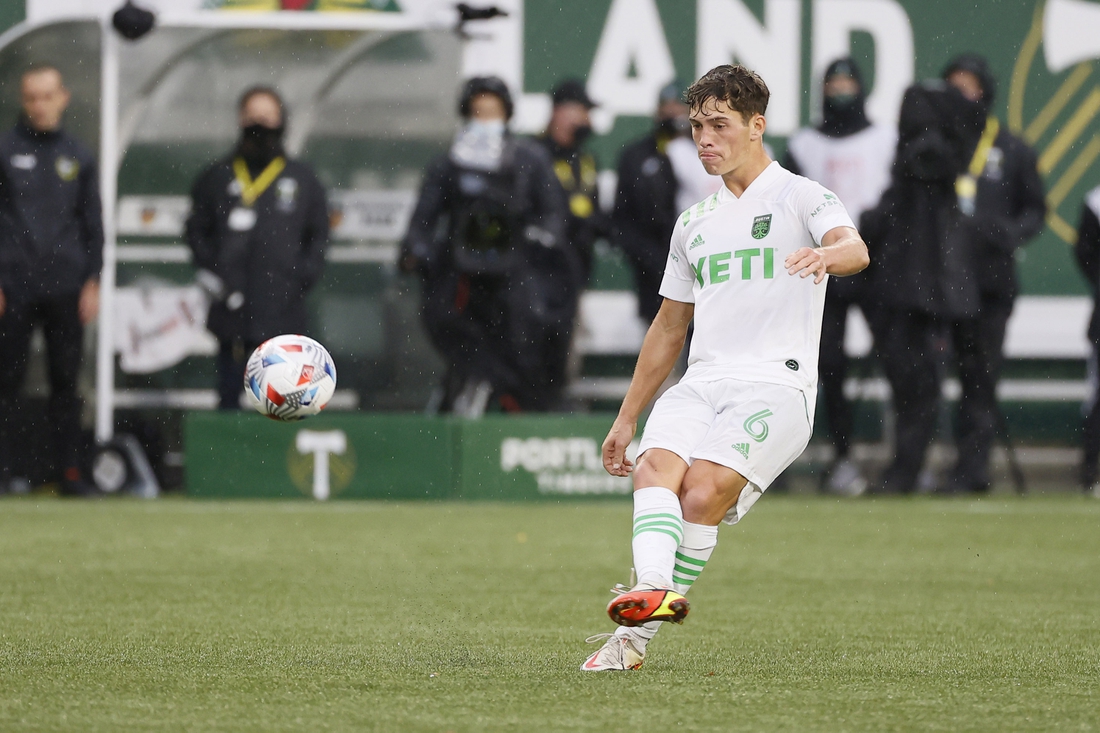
491 214
923 269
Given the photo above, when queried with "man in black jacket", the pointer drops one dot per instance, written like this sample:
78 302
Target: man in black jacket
1088 258
258 230
645 205
51 243
922 272
484 237
1002 212
569 128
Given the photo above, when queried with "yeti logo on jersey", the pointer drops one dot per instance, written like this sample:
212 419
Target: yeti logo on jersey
761 225
792 365
716 267
697 242
742 448
756 427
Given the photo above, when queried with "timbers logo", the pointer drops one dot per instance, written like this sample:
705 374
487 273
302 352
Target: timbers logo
1054 104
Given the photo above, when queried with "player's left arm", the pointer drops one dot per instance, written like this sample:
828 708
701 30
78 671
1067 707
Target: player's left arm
842 252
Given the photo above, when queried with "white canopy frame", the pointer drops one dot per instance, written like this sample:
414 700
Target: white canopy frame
117 126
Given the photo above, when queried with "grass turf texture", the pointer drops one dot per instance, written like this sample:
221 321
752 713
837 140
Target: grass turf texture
814 614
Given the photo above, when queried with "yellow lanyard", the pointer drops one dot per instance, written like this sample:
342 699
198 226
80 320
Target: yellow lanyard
966 185
252 190
981 153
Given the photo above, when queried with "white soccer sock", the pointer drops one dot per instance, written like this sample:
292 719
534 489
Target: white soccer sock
691 557
692 554
658 531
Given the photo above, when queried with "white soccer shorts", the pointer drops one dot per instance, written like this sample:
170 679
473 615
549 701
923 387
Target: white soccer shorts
757 429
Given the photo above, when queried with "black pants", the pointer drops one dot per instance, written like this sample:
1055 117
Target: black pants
232 357
904 341
1090 438
60 320
979 348
832 369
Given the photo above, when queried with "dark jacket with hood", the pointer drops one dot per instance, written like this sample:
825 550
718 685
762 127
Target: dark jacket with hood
51 217
486 308
272 260
922 262
1010 206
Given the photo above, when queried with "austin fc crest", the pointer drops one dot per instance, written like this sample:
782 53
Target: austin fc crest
761 225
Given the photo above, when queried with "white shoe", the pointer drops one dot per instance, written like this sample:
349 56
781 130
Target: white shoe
619 653
845 479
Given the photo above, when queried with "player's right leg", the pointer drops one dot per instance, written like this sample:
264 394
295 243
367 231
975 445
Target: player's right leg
658 531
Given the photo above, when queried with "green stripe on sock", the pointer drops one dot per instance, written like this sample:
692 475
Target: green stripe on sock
660 523
690 560
647 517
687 571
682 581
671 534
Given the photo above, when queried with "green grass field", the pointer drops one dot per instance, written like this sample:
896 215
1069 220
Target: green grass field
814 614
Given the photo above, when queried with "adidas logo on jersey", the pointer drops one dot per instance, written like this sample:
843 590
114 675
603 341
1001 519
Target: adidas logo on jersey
742 448
697 242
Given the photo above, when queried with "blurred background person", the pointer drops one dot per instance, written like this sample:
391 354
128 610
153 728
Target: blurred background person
570 126
488 214
851 157
923 272
1088 258
1003 205
648 198
51 244
258 231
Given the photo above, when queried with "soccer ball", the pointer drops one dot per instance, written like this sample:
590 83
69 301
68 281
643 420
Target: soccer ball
289 377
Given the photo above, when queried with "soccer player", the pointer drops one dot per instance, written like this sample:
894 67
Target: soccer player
749 264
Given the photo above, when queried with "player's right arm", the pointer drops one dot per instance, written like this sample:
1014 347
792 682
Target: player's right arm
661 348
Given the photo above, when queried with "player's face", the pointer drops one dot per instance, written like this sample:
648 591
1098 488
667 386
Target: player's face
722 136
44 99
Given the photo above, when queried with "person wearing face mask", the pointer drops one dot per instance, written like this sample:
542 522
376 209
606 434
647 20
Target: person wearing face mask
648 198
258 230
936 275
1002 201
569 128
487 238
849 155
51 243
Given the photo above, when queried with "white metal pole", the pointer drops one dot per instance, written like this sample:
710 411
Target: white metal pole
108 189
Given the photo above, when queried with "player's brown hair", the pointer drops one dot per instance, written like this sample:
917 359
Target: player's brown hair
742 89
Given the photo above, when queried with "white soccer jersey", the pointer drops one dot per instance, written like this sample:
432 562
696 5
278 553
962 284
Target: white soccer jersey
753 321
855 167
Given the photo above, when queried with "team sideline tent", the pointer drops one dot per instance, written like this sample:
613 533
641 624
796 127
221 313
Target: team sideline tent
343 75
